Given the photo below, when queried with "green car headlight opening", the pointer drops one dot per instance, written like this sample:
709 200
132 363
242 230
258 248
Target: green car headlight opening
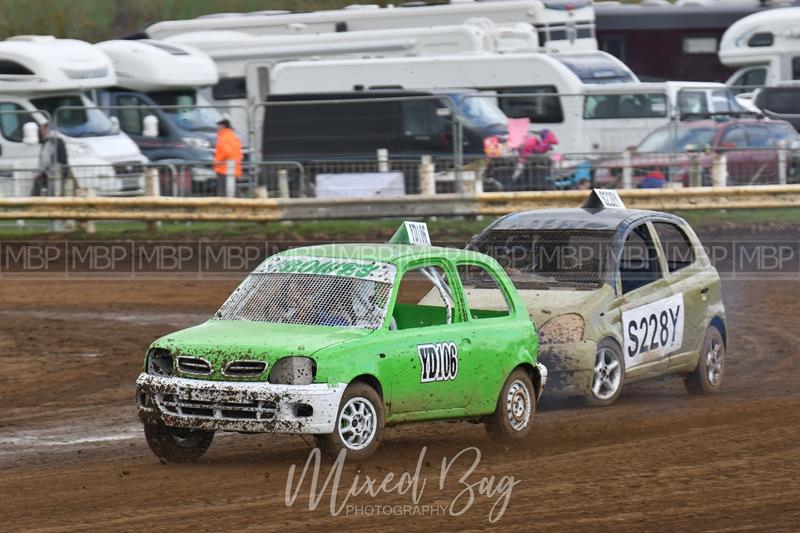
294 370
160 362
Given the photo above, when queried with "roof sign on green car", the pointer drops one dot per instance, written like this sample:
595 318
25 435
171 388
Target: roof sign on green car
415 233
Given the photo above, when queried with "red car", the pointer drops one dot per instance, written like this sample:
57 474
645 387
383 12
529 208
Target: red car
751 146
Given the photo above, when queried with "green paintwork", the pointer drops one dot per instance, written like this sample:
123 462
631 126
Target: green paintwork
489 348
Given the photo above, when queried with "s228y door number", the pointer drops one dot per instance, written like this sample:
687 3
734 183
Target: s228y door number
653 330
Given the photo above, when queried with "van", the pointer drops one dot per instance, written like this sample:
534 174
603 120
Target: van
591 101
780 102
354 125
162 80
43 78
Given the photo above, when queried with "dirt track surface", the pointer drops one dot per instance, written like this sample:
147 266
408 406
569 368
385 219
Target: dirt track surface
72 455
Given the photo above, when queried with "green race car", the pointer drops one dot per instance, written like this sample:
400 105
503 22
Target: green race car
334 341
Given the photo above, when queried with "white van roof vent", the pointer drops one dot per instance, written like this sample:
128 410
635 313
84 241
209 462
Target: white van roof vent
86 74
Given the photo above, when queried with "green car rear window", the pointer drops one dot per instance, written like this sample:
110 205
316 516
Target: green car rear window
312 291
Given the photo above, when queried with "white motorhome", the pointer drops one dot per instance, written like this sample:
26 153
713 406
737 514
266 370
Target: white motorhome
550 86
590 100
41 73
562 25
766 48
165 81
233 50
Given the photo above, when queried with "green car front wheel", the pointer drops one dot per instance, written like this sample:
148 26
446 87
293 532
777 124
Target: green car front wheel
177 445
359 424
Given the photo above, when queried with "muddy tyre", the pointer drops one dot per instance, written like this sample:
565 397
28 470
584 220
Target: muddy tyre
516 405
707 377
608 375
177 445
359 424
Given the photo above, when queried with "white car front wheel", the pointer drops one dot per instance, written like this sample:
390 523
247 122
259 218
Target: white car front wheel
608 374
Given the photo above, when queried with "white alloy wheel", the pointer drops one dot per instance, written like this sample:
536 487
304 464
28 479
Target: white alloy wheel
607 376
714 362
358 423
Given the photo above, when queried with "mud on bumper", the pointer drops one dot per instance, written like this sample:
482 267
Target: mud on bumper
570 367
248 407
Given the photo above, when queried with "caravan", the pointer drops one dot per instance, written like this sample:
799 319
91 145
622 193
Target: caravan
233 50
561 25
42 77
766 47
162 80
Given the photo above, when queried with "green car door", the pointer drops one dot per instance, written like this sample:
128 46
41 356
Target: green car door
497 331
431 360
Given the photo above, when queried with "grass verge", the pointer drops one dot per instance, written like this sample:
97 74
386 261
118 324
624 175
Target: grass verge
442 229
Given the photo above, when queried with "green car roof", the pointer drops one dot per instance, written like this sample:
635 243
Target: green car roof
387 253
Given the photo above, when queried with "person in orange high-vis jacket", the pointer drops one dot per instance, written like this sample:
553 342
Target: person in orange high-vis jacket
229 148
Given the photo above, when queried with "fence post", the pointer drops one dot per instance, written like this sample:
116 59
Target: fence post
68 188
427 176
283 183
458 144
719 172
627 169
55 187
383 160
152 185
695 174
86 226
782 171
230 180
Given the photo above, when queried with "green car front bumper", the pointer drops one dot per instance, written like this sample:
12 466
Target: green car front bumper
248 407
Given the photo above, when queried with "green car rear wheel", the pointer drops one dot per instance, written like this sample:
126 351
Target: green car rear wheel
516 406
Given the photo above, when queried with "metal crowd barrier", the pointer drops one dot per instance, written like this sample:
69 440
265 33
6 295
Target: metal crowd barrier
152 209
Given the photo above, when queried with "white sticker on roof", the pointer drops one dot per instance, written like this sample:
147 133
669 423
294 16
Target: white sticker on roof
604 198
328 266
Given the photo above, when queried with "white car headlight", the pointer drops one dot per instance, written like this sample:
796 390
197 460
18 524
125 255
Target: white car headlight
78 149
198 142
